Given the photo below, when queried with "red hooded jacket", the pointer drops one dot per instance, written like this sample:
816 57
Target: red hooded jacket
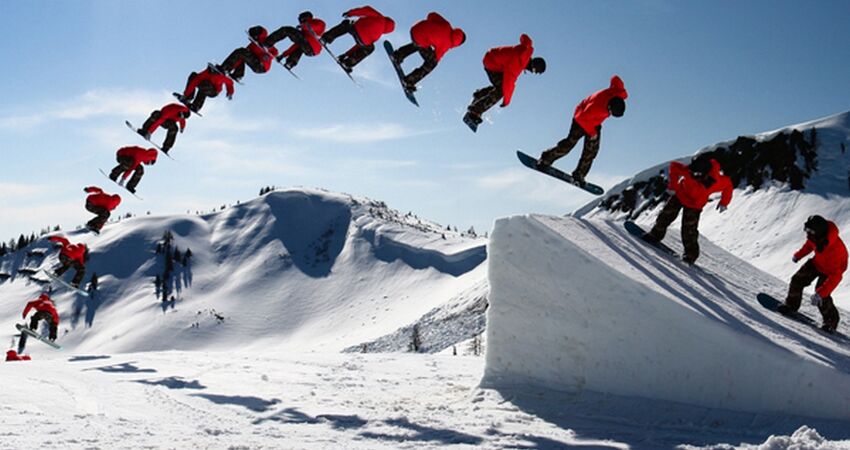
371 24
171 111
691 192
12 355
217 80
264 54
593 110
102 199
832 261
318 27
437 33
510 62
76 252
139 155
42 303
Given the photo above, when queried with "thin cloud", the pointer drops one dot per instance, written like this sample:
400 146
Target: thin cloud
523 184
357 133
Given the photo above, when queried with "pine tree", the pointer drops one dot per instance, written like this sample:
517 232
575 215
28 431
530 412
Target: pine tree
93 282
176 256
187 256
22 242
415 339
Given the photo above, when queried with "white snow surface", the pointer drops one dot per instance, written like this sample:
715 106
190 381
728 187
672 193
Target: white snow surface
765 227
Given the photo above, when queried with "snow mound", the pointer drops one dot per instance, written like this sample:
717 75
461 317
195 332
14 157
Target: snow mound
581 305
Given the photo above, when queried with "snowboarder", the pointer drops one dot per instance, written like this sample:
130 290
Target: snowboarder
503 65
432 38
208 83
12 355
102 204
827 267
130 160
258 58
71 255
303 41
45 310
587 124
169 117
690 186
366 30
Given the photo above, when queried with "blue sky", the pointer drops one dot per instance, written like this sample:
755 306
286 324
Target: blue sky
697 73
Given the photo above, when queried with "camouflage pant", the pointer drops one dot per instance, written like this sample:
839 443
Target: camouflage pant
804 277
429 61
487 97
690 227
564 146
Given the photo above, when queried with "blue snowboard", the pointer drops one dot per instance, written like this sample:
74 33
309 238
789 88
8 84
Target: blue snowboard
635 230
531 163
772 303
407 93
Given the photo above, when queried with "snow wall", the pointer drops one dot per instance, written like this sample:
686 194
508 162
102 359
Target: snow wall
578 305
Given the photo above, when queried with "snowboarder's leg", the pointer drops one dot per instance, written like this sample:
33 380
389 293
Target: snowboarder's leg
234 64
667 215
134 180
403 52
281 34
97 222
22 342
205 89
172 128
65 265
124 163
357 53
330 35
293 58
690 234
253 62
488 98
563 147
78 277
187 96
429 63
804 277
827 308
146 128
54 328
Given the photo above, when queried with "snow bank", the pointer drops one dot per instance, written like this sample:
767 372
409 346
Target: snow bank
580 305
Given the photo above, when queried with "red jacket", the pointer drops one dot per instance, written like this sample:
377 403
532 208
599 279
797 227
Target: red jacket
139 155
216 79
77 252
264 54
171 111
437 33
510 61
593 110
691 192
12 355
318 27
102 199
371 24
43 303
832 261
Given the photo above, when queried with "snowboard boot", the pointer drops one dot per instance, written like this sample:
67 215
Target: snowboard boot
784 309
144 133
542 165
650 238
579 179
828 328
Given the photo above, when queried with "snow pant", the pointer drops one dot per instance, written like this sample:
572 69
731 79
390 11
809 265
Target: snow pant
690 227
429 61
205 89
804 277
47 317
67 263
235 63
485 98
102 216
169 125
563 147
124 163
355 54
293 55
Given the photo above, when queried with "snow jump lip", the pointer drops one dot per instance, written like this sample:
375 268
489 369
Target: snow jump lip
457 264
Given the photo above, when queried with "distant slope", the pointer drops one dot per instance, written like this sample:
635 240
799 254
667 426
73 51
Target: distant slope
293 269
580 305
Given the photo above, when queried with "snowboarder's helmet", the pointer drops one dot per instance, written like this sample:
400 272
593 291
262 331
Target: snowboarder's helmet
617 106
699 167
305 16
816 226
536 65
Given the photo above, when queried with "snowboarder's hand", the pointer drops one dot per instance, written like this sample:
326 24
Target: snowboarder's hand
721 208
795 259
346 15
816 299
230 96
503 105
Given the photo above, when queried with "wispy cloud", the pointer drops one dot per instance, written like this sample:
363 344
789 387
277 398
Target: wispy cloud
22 191
525 185
358 133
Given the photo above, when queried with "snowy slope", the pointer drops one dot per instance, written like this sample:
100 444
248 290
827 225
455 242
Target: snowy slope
765 226
582 305
293 269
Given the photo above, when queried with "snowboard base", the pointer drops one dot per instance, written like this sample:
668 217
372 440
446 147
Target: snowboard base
28 332
63 282
407 93
119 184
531 163
136 130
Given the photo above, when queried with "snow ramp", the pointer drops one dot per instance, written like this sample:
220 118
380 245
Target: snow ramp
579 305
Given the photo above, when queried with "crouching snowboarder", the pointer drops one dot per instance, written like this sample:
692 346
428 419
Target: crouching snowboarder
256 55
130 160
172 117
102 204
691 186
44 310
587 124
208 83
827 267
431 38
71 255
305 39
366 30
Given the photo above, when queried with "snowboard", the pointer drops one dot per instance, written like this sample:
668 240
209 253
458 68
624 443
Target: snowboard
635 230
119 184
26 330
136 130
407 93
272 56
771 303
215 68
63 282
473 125
180 98
531 163
332 55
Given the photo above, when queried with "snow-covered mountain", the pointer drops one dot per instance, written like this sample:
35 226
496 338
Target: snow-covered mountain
293 269
782 177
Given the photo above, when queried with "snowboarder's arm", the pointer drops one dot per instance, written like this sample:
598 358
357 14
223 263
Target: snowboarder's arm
829 285
508 86
28 308
365 11
677 170
807 248
228 83
93 190
724 185
191 85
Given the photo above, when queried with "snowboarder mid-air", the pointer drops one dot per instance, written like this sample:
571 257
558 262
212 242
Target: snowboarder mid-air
207 83
71 255
827 267
130 160
503 65
690 186
369 26
432 38
304 39
587 124
102 204
258 58
44 310
169 117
